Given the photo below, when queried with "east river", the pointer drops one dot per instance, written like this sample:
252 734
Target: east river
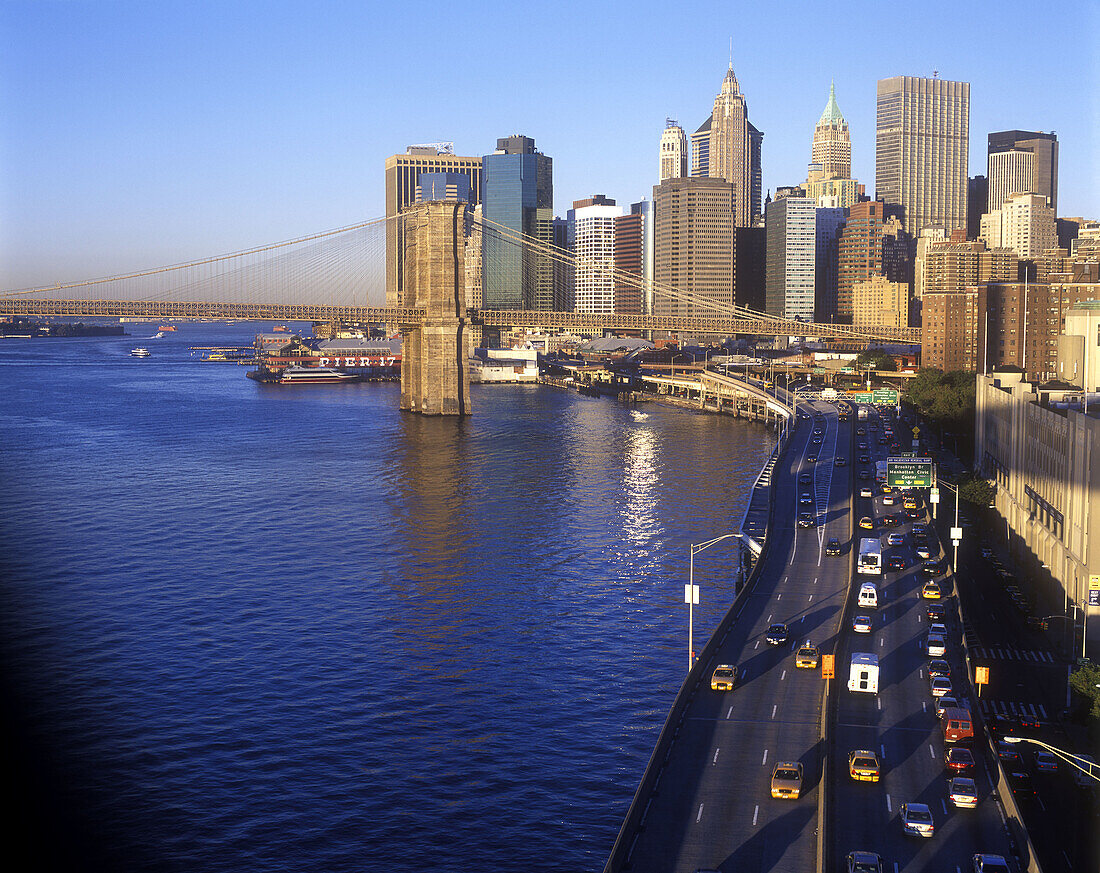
262 628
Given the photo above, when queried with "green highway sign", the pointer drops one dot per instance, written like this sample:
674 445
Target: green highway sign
885 396
860 396
909 472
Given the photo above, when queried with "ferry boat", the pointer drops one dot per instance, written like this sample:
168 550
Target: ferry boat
140 353
281 328
166 327
315 376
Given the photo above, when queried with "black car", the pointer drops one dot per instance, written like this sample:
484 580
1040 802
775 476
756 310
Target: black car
890 520
896 562
1004 725
865 459
933 568
832 547
914 513
938 667
840 462
811 459
777 635
920 530
936 611
805 519
804 478
864 475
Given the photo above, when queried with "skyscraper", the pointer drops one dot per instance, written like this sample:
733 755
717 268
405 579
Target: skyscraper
730 156
1024 223
403 174
700 150
1018 154
830 171
674 152
518 193
693 244
791 223
921 142
594 256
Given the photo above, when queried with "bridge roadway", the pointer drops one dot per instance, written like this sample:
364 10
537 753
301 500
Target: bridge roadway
728 325
900 723
713 806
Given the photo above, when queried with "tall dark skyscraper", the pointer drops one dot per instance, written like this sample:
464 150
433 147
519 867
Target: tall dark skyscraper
518 192
1022 162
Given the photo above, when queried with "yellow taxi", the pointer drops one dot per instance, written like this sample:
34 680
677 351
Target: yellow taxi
867 523
807 656
723 678
863 766
931 591
787 780
909 503
886 489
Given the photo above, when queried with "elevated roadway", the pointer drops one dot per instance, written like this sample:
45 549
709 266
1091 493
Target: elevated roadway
711 807
900 722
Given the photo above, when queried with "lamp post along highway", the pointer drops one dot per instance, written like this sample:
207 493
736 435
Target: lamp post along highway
956 531
691 590
1090 769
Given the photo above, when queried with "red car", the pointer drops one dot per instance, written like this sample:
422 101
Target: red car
960 759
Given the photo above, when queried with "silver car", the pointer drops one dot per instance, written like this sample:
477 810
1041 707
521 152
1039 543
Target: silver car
916 820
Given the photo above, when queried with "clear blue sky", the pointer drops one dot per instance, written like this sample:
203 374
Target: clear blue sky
137 134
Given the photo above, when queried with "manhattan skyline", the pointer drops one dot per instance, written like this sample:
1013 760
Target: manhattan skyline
141 135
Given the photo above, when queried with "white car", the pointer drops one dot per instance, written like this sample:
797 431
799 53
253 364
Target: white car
936 646
865 492
861 624
924 552
940 686
888 500
963 792
916 819
938 627
895 539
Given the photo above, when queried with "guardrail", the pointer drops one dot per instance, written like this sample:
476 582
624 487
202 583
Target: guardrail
635 821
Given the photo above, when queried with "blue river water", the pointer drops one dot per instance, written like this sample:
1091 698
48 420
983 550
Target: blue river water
266 628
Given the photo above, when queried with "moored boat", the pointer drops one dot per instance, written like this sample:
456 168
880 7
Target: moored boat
315 376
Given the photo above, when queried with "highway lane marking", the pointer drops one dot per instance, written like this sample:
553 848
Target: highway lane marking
931 752
876 727
755 813
757 646
774 708
924 706
728 714
889 806
881 643
700 815
882 749
765 759
779 596
944 802
878 701
783 676
770 614
715 761
815 580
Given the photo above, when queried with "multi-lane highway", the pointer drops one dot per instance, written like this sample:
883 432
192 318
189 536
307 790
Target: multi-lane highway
900 723
713 807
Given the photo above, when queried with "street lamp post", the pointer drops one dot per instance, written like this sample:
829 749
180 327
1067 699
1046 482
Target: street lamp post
1089 768
956 529
691 592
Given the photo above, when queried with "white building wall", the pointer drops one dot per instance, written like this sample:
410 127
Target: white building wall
801 263
594 259
1010 172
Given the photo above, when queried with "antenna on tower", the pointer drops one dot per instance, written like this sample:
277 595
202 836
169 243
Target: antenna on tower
731 52
935 74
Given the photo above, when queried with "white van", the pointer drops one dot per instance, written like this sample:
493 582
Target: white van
863 674
868 596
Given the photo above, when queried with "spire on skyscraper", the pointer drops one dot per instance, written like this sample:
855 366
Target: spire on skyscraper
832 114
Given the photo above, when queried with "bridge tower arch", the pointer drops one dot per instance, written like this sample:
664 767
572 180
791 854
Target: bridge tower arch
435 369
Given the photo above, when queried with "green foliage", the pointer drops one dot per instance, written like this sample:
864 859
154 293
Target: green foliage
976 491
946 399
876 359
1084 680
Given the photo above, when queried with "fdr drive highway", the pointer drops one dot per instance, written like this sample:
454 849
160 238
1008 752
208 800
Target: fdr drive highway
705 801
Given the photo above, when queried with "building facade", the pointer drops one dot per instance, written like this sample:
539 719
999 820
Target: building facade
1038 446
674 152
594 258
629 256
1043 165
791 257
518 194
878 302
403 175
922 138
693 246
1024 223
952 330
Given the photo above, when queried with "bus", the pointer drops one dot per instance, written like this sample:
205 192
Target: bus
870 556
880 472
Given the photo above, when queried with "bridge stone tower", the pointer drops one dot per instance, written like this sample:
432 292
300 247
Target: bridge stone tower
435 369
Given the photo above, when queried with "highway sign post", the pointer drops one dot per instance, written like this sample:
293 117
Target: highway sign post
828 666
909 472
981 677
884 397
1094 590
